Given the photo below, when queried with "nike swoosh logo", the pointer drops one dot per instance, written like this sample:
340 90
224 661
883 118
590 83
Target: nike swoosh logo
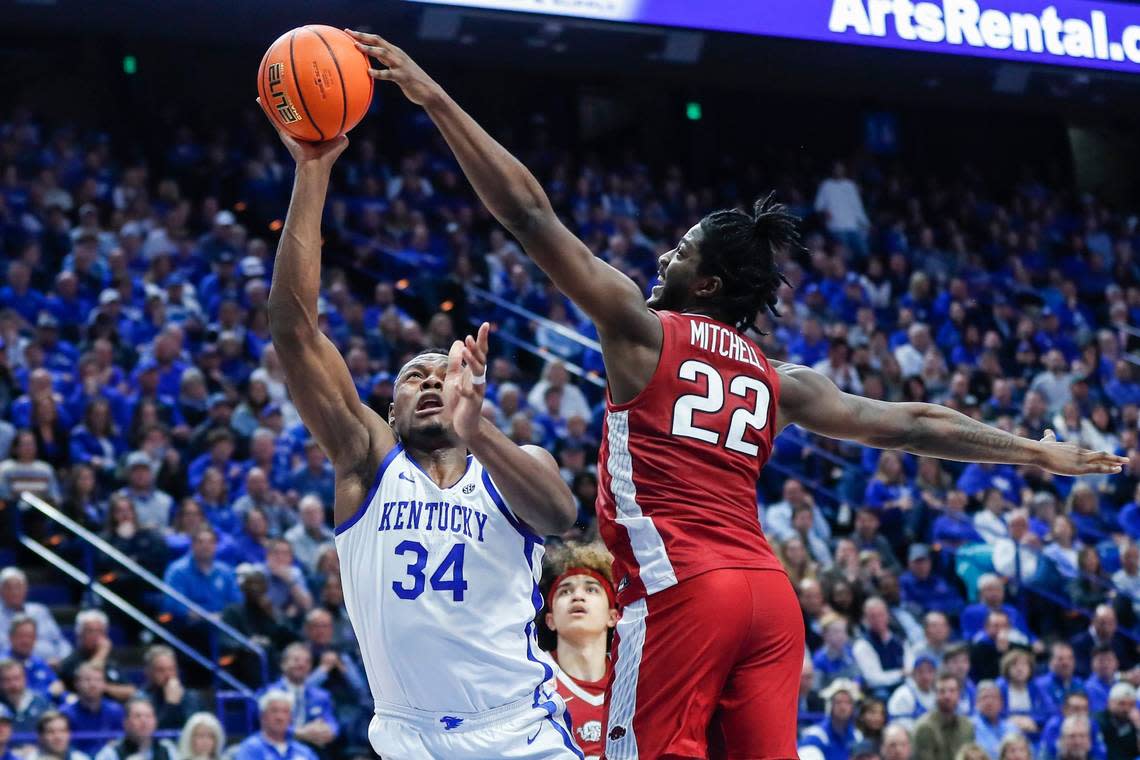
536 733
407 477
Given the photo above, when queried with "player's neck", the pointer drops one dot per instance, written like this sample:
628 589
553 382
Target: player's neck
584 660
445 466
702 310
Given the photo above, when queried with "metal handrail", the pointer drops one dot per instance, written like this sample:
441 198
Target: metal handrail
562 330
542 353
128 609
106 548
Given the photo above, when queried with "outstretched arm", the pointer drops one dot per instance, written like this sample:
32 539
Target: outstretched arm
611 299
351 435
810 400
527 476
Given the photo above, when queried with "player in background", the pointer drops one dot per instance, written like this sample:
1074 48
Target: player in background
439 518
581 611
692 409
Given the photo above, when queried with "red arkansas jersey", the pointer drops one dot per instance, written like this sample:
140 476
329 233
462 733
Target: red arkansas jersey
586 703
679 463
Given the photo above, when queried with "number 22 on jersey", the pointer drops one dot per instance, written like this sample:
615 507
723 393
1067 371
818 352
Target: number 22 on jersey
712 402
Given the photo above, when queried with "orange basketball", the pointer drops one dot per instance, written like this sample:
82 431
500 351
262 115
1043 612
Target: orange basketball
314 83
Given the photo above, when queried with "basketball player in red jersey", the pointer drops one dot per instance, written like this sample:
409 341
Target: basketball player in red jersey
710 643
581 610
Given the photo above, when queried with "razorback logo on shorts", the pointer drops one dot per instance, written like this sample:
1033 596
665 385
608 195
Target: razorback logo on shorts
617 732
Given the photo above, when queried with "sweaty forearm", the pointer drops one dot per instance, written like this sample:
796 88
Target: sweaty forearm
506 187
297 268
938 431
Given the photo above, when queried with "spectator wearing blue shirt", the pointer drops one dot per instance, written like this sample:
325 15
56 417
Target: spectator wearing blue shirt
273 741
1122 389
1100 682
259 495
96 442
49 642
990 725
922 587
834 660
1074 709
953 527
19 295
54 738
287 590
836 734
253 538
40 676
889 488
91 711
59 355
313 720
915 697
1059 682
315 475
153 507
167 348
977 478
269 452
25 705
220 448
1025 703
810 345
991 598
210 584
66 304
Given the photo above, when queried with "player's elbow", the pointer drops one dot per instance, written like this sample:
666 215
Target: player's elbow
903 426
529 214
561 512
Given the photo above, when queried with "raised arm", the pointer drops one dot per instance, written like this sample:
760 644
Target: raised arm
353 437
611 299
526 476
810 400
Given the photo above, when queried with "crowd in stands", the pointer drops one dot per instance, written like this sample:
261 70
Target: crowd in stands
951 610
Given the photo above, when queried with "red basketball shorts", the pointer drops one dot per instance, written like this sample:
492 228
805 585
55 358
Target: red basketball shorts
709 668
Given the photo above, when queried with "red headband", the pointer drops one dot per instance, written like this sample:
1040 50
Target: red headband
606 585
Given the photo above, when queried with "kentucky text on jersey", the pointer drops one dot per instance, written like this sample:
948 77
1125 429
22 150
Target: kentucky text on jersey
722 341
438 516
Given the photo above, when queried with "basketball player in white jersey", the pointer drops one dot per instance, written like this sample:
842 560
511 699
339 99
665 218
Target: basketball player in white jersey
438 523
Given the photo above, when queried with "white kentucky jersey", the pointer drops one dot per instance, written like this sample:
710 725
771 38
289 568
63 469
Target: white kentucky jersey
441 586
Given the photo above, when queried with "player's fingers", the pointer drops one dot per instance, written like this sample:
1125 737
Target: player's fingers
1049 435
385 74
366 37
484 338
455 358
379 52
474 363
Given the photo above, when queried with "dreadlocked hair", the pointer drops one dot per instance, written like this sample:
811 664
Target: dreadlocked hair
741 249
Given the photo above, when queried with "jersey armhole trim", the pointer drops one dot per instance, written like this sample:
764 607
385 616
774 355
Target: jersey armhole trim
371 491
523 529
